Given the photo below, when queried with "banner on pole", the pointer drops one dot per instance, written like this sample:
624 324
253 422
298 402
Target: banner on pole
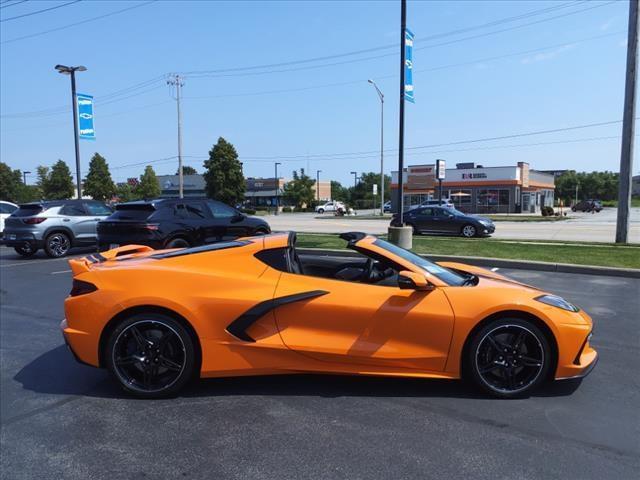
85 116
408 65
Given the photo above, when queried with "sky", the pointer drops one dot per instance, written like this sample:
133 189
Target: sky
287 82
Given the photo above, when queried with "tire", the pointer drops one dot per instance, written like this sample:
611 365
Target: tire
493 367
151 355
57 244
261 231
469 231
178 243
321 211
573 209
26 251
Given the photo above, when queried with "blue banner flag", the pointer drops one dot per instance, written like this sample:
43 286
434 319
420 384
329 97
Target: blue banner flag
85 116
408 65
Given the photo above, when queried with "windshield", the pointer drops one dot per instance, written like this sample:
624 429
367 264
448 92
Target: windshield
448 276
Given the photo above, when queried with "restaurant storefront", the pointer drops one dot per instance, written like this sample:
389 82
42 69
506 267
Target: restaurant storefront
512 189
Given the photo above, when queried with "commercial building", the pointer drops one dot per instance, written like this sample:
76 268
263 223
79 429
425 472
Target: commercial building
477 189
259 192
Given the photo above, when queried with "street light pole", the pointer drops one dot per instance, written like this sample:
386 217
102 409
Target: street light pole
403 28
628 127
24 177
318 185
277 188
65 70
355 179
381 95
178 83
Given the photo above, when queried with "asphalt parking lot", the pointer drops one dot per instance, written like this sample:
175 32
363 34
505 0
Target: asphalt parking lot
60 419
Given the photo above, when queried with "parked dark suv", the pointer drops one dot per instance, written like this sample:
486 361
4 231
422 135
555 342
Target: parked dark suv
176 223
445 220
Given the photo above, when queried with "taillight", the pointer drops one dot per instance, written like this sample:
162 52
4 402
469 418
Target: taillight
34 220
81 288
151 226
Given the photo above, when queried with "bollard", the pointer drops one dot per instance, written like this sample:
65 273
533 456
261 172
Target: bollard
401 236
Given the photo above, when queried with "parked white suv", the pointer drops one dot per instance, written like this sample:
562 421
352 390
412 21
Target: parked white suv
6 209
331 207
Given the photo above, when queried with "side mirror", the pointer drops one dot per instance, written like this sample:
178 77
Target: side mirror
413 281
238 217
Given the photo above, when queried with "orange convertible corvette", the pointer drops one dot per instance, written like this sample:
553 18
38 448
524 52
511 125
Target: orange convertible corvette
158 318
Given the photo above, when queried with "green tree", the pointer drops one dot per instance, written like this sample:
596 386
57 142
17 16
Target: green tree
223 174
361 196
338 192
10 183
299 191
149 187
187 170
98 183
57 183
124 192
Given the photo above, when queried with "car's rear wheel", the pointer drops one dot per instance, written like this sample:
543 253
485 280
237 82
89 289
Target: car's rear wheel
469 231
178 243
26 250
261 231
321 211
508 357
151 355
57 245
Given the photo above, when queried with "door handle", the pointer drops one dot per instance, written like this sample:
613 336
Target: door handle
97 219
66 219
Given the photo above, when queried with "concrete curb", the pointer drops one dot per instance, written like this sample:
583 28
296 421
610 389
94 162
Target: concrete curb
506 263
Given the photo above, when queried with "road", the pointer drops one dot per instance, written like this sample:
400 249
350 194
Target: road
598 227
60 419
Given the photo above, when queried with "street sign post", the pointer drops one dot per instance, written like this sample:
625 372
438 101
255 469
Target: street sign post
86 129
440 173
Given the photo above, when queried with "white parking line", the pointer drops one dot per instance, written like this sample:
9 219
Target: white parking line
31 262
61 271
495 269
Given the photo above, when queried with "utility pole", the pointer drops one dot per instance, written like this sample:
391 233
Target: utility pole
178 83
277 188
65 70
381 96
318 185
355 179
24 177
403 29
628 127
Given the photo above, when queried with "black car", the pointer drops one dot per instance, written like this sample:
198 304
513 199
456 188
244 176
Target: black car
587 206
444 220
176 223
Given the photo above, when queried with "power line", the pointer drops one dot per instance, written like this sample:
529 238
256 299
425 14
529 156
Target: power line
386 47
213 74
40 11
7 6
24 37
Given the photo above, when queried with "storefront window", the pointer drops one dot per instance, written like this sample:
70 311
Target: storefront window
492 200
459 197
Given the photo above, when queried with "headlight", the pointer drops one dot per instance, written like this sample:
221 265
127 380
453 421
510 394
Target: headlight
486 223
559 302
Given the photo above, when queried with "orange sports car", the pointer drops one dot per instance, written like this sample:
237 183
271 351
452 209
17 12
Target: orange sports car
253 306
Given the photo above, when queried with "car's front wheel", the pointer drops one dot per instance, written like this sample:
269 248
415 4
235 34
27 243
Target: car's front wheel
321 211
508 357
469 231
57 245
151 355
178 243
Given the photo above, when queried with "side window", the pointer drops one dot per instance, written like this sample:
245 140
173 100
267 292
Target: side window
220 210
97 209
427 212
6 208
195 210
181 211
73 210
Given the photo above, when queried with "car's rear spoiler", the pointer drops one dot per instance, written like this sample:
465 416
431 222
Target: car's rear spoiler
80 265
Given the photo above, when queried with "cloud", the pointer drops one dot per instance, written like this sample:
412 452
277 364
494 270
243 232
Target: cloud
541 57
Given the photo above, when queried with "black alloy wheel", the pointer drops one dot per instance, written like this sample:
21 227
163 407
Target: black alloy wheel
151 355
178 243
57 245
26 250
509 358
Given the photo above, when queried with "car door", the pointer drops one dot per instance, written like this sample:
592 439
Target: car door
227 220
77 219
194 218
386 327
444 220
422 218
98 211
